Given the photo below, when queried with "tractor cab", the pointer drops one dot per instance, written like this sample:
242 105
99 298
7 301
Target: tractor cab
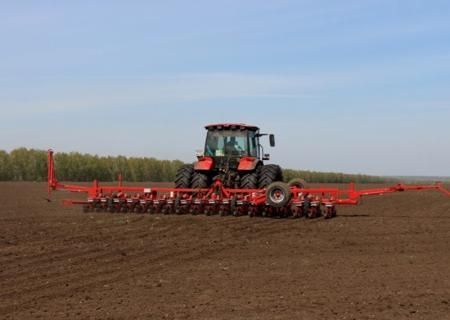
232 141
232 146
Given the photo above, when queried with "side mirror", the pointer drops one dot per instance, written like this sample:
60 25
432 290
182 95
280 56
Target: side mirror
272 140
266 157
199 153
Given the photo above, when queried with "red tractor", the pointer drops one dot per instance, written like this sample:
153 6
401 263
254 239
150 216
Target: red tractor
234 155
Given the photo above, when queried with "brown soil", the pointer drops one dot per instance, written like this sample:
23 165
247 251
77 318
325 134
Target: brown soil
386 259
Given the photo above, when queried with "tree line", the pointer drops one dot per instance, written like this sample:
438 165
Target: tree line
333 177
31 165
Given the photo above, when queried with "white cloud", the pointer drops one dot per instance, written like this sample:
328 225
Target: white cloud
156 91
53 96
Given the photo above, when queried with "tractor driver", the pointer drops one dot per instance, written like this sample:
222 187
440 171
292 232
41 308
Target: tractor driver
232 147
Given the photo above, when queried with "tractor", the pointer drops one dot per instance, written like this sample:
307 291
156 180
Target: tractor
232 154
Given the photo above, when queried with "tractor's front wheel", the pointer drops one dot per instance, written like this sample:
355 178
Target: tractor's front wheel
278 194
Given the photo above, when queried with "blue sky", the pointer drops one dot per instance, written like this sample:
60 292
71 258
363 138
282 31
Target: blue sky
351 86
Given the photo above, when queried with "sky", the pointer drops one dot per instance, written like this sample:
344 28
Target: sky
346 86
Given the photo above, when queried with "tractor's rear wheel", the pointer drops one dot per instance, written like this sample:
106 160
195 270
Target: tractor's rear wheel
183 177
200 181
249 181
269 174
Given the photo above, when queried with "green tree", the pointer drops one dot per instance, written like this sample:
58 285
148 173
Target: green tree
5 166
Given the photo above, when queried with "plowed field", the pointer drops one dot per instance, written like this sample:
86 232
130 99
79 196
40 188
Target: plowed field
386 259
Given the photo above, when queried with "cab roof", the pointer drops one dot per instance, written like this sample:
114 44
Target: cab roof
231 126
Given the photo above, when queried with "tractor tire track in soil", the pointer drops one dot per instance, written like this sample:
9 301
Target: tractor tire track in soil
110 274
44 265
